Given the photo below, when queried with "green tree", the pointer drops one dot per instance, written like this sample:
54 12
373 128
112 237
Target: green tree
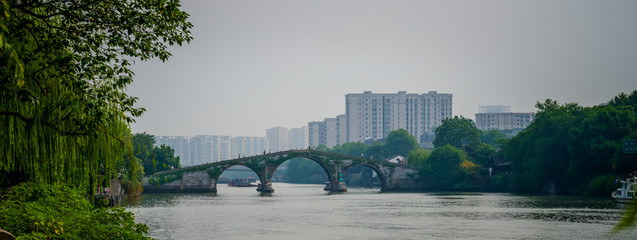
355 149
400 142
165 158
483 155
571 146
64 69
322 147
458 132
376 150
153 158
418 158
444 168
492 137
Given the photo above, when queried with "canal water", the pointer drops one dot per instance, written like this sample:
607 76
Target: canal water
297 211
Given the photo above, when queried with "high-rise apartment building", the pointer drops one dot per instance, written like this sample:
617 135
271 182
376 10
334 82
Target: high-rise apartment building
211 148
330 131
277 138
247 146
298 138
373 115
202 149
182 147
500 117
316 133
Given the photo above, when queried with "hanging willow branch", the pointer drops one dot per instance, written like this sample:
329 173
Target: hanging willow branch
64 67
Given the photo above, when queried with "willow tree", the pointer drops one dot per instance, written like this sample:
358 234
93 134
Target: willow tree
64 67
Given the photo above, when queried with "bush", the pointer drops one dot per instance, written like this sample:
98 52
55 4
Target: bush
41 211
600 186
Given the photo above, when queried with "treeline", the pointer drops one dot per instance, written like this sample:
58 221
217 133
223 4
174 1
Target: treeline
567 149
573 149
147 159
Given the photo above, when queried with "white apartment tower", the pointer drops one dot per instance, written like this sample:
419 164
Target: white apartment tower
277 138
211 148
330 131
374 115
181 145
341 129
248 146
298 138
315 133
202 149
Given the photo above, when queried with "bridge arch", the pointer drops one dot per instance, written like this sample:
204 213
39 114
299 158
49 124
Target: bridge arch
379 173
223 169
317 161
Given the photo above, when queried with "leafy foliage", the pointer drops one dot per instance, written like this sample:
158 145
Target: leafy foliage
570 145
400 142
492 137
458 132
42 211
153 158
446 167
64 67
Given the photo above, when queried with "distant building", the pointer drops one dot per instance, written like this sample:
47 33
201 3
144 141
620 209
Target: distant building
501 118
277 138
248 146
316 133
202 149
330 131
182 147
373 115
298 138
494 109
341 129
211 148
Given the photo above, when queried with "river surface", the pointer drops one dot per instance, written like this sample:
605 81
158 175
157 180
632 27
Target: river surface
296 211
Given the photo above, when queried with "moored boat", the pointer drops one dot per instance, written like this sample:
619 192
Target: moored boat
242 182
627 192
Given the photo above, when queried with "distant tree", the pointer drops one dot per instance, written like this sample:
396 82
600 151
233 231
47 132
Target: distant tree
153 158
570 146
444 167
143 144
492 137
458 132
376 151
484 155
400 142
165 158
355 149
322 147
418 158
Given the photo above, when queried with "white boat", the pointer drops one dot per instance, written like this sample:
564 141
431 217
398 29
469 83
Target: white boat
627 192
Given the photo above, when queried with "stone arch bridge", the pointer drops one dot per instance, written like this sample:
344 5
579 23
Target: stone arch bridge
203 178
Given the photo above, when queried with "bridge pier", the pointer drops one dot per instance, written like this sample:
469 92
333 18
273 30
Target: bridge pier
265 188
340 187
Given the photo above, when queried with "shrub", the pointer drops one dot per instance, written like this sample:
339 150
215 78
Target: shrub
42 211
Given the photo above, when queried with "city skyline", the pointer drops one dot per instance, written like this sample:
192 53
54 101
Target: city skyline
255 65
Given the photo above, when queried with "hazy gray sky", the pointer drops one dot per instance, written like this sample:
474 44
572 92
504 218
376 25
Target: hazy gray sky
254 65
